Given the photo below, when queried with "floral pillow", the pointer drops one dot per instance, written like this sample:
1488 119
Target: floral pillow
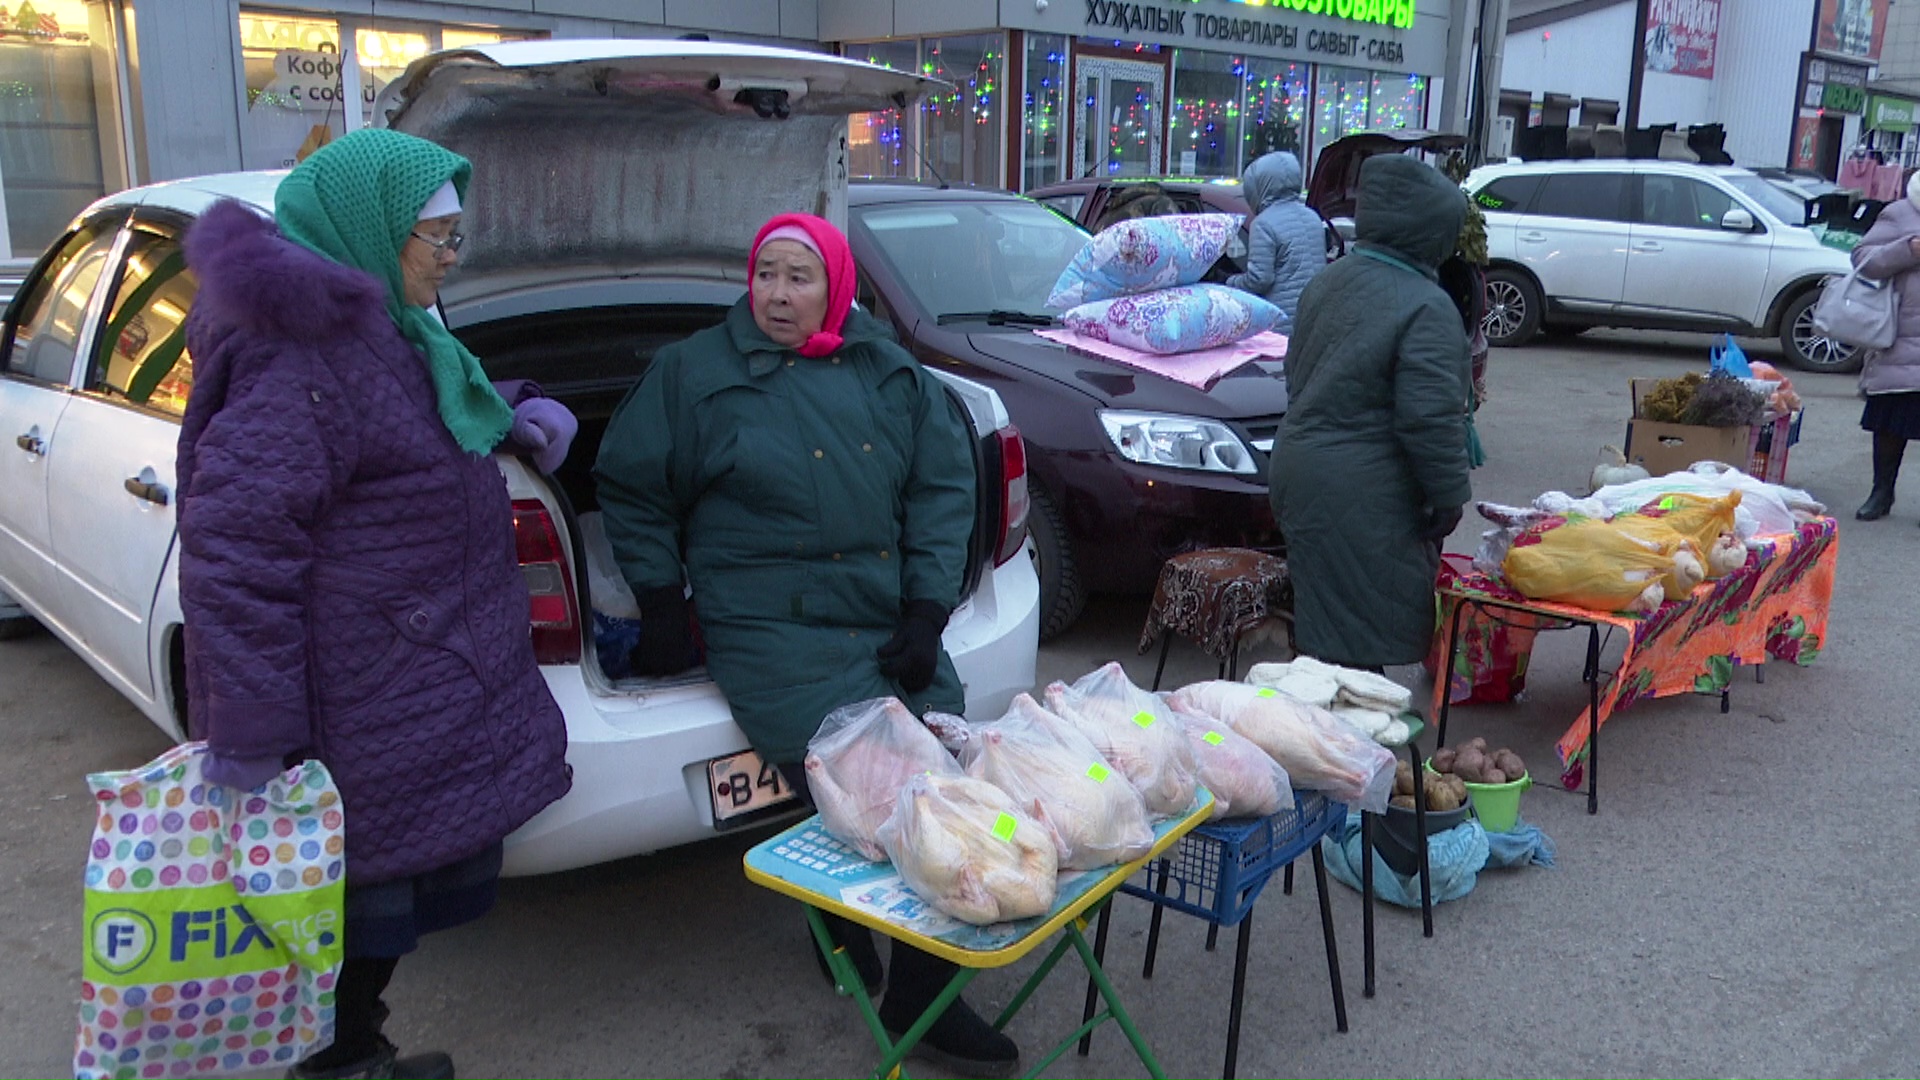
1183 319
1143 254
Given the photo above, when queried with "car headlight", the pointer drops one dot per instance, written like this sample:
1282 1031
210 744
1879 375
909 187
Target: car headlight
1181 442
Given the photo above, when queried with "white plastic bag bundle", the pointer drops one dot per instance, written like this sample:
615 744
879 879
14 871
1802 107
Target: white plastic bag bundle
1135 731
1319 752
1245 780
1055 775
858 762
966 848
612 596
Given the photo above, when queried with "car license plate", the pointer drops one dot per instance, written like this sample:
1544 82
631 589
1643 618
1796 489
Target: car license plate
741 784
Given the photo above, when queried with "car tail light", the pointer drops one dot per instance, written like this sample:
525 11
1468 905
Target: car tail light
1013 494
543 563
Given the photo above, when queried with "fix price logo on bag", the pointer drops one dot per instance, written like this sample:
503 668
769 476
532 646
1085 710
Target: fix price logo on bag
200 935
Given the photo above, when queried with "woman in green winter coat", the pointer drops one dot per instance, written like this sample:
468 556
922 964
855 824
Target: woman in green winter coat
815 487
1369 473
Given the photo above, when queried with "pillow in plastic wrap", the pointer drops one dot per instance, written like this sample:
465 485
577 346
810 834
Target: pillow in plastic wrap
1184 319
1141 255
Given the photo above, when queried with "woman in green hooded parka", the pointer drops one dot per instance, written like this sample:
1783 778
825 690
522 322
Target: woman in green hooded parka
1369 473
815 487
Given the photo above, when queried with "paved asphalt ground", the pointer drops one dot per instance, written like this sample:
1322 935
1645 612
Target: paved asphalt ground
1744 904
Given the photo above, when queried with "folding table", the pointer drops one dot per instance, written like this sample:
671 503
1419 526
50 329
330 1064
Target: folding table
807 864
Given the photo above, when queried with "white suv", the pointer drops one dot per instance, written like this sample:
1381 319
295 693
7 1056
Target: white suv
610 213
1654 245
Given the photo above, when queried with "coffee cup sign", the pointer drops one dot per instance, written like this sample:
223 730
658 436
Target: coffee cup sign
310 81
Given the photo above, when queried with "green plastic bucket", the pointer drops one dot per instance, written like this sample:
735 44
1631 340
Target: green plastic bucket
1498 805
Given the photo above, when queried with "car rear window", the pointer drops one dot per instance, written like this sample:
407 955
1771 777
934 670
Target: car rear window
1589 196
1508 194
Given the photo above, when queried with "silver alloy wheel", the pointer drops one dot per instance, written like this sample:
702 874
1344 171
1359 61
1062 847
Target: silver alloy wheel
1506 310
1820 351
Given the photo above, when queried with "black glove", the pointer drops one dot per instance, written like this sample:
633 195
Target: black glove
1441 521
913 652
666 635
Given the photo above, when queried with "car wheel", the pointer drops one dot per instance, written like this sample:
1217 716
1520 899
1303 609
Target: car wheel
1513 309
1062 597
1807 348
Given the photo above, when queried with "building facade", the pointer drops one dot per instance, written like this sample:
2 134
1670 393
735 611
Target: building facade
97 95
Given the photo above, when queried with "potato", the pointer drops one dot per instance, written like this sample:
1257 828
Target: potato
1510 763
1403 778
1404 802
1459 789
1470 765
1441 799
1443 759
1476 743
1493 776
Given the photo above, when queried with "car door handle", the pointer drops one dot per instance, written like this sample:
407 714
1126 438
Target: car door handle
1533 237
1649 245
32 444
153 493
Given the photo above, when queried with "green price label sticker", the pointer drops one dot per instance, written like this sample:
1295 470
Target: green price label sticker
1004 826
1669 503
1266 692
1144 719
1213 738
1098 772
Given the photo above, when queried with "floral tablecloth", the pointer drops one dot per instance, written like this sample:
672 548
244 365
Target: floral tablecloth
1775 606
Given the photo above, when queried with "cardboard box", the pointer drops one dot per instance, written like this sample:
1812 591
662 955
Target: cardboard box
1662 448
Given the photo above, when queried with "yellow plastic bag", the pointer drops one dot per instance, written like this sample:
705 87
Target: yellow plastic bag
1601 566
1699 518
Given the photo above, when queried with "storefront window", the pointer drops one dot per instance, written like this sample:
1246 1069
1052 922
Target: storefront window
1276 112
1340 102
961 127
1398 101
880 143
1044 105
295 74
1207 89
60 134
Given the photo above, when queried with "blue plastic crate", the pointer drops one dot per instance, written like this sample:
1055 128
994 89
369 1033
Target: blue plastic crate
1216 872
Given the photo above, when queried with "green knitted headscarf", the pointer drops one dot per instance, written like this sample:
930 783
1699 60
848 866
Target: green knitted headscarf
355 201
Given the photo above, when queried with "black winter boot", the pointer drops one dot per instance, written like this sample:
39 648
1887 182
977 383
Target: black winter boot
384 1064
1887 452
959 1041
858 941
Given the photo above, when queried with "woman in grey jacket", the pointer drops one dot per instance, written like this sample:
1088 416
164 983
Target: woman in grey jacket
1288 242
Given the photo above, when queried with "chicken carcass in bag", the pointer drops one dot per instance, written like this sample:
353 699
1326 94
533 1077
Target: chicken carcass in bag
859 760
966 848
1245 780
1135 731
1319 752
1054 773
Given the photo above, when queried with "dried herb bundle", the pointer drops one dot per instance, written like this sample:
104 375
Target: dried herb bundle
1668 400
1724 401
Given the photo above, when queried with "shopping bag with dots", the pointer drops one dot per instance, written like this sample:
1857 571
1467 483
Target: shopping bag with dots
213 921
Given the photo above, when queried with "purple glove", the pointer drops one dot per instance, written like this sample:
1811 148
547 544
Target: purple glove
545 427
245 773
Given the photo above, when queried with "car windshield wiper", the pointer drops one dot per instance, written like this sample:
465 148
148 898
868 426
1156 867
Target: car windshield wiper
996 317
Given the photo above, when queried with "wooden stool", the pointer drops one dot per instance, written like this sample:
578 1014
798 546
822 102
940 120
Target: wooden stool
1219 598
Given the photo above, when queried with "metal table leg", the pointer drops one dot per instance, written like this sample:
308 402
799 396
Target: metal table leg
1333 948
1093 991
1153 924
1239 994
1593 718
1445 674
1366 901
1420 827
1166 646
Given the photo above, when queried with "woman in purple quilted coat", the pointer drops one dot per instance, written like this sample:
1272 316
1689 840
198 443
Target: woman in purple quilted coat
347 564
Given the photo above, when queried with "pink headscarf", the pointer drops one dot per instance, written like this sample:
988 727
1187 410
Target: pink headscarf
824 240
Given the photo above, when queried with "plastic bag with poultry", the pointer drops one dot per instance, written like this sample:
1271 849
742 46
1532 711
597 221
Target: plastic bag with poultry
1135 731
1055 775
966 848
859 760
1245 780
1319 752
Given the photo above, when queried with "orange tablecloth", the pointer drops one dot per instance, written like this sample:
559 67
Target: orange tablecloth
1775 606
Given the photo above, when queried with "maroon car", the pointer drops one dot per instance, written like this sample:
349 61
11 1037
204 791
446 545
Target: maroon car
1125 468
